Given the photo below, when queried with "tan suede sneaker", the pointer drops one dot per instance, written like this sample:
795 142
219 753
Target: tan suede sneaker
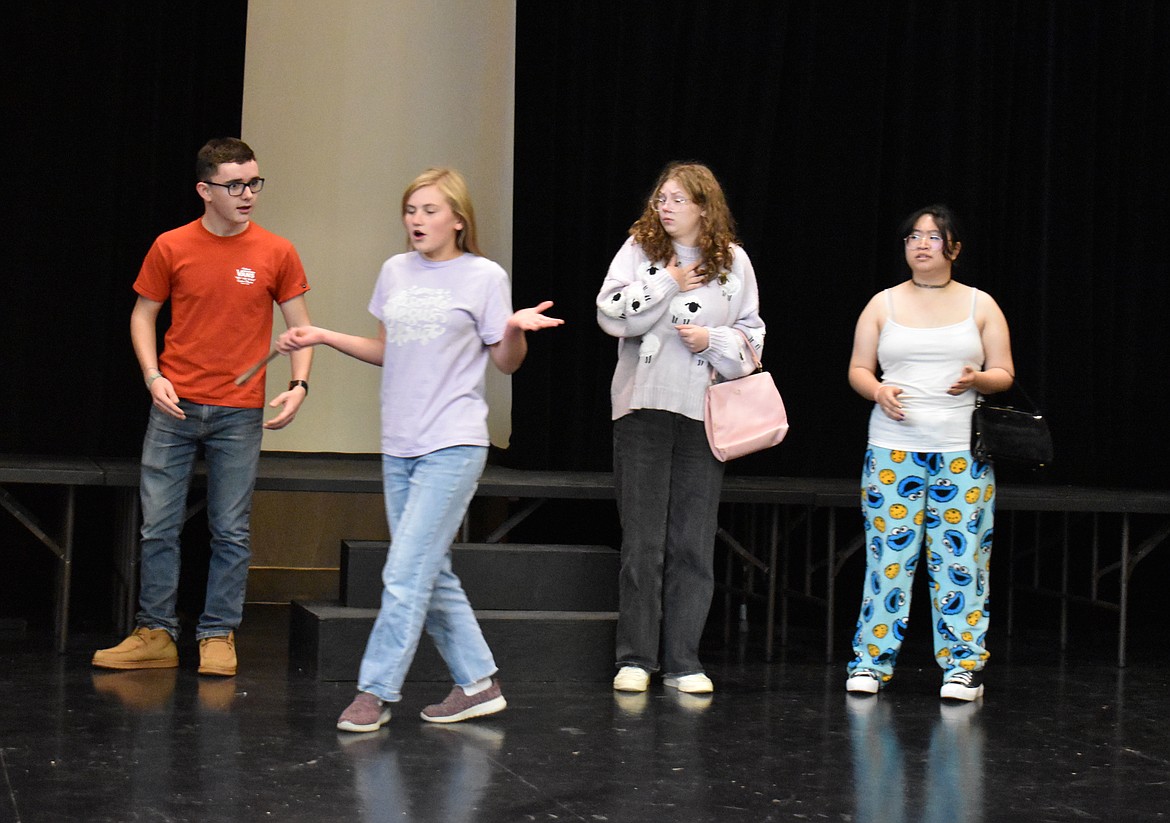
217 655
143 649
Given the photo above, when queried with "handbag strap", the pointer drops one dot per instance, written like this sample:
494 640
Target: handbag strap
1015 386
751 350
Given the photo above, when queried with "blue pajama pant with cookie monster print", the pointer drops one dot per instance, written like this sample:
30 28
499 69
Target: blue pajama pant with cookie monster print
937 508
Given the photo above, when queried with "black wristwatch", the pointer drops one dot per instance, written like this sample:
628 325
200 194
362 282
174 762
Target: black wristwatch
304 384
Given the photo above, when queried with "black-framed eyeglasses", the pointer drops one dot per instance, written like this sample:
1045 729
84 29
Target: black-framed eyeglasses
236 187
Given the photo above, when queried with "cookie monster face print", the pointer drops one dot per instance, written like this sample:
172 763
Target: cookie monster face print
952 602
911 488
945 631
900 627
959 575
901 538
944 491
955 542
985 542
931 461
975 521
935 508
961 652
911 564
979 469
933 562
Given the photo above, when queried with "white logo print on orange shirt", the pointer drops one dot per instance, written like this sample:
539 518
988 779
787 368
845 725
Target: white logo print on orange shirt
245 276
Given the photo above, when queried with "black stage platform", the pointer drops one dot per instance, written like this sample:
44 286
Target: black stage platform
1057 738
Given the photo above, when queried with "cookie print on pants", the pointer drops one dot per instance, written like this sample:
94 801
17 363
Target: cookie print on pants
932 508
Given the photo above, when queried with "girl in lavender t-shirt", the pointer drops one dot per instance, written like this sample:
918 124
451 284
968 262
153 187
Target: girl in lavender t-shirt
443 312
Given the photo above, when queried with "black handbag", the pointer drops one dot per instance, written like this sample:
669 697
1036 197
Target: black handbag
1002 432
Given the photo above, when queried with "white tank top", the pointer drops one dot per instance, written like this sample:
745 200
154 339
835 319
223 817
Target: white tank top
925 363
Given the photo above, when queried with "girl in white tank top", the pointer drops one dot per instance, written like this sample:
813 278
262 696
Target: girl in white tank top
922 352
924 364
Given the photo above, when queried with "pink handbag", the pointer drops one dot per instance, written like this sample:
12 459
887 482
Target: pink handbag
744 415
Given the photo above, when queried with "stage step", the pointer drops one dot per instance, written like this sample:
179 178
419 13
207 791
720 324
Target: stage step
529 646
549 612
510 576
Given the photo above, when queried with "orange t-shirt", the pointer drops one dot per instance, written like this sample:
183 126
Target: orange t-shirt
221 291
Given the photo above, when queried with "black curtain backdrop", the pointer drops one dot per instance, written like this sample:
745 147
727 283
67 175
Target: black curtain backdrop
827 124
107 104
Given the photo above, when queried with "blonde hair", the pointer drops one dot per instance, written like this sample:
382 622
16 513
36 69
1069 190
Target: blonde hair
453 187
716 225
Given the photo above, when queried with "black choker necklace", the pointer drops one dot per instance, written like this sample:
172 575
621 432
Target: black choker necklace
930 285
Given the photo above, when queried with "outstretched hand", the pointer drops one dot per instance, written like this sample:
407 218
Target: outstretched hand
533 319
297 338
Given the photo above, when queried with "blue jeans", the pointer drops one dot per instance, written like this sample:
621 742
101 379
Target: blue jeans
426 498
231 442
668 486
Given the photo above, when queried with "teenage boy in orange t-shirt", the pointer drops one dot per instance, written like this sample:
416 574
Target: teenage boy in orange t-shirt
222 273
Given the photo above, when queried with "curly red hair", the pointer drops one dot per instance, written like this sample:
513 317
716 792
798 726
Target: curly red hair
716 225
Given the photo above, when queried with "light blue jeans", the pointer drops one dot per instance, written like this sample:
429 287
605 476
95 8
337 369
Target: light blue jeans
426 499
231 442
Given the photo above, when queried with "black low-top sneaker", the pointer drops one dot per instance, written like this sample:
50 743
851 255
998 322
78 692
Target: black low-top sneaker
962 685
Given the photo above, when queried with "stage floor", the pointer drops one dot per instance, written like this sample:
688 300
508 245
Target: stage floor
1054 739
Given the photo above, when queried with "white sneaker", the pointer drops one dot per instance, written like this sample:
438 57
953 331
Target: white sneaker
863 681
697 683
631 679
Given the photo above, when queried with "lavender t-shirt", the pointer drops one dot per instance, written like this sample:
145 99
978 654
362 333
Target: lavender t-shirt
439 319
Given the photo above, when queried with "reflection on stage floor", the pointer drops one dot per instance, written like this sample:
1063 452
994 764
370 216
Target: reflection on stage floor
1053 739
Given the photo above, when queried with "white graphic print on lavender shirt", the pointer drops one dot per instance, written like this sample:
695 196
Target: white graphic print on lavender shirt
416 314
